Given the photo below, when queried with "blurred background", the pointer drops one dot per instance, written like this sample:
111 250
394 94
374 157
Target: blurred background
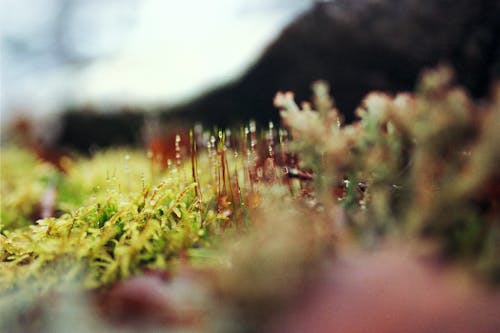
82 73
102 53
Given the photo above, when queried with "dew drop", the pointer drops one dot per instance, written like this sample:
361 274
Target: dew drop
253 127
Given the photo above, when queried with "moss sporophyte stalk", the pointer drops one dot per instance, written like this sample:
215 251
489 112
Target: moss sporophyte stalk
413 166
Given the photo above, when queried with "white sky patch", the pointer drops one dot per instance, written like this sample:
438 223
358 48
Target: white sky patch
133 52
183 49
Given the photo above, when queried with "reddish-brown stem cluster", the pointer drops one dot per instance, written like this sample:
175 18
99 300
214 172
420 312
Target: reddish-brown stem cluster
237 163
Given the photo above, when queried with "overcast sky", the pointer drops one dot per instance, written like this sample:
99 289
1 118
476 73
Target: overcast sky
59 52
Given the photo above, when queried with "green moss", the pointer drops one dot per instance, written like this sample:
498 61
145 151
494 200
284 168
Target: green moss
428 162
24 179
123 224
413 166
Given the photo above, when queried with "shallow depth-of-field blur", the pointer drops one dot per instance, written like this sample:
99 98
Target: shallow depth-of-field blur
305 226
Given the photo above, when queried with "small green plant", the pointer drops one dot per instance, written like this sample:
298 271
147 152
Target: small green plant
423 164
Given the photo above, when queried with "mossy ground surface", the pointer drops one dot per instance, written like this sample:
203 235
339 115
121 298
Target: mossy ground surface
255 215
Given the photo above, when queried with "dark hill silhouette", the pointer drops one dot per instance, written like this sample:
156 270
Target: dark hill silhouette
359 46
